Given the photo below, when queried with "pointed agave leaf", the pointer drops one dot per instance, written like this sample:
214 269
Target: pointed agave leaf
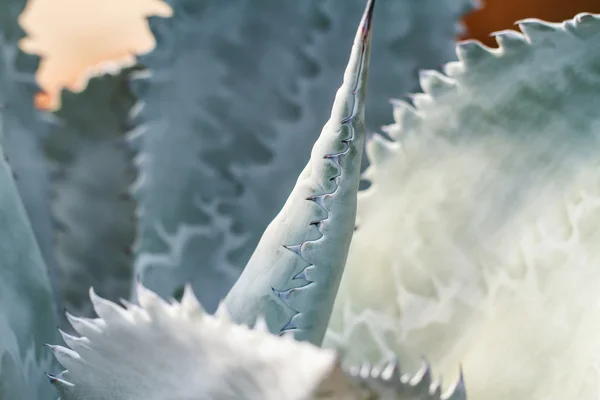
27 310
162 350
93 170
293 276
159 351
480 231
23 128
245 105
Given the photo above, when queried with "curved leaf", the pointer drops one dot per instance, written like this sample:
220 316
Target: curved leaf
177 351
293 276
93 170
23 129
161 350
238 94
479 234
27 310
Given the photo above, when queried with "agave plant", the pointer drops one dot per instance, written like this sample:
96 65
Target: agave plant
239 132
479 232
451 273
308 241
27 307
28 314
195 355
216 196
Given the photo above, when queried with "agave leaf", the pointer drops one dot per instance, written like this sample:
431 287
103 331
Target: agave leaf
27 310
480 234
385 381
93 170
233 112
161 350
293 276
23 128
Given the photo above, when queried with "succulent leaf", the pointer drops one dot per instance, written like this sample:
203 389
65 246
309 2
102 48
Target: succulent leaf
234 112
479 234
293 276
23 128
27 309
160 350
93 170
385 381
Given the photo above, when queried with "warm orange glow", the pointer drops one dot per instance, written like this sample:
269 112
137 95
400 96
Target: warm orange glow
79 38
497 15
43 101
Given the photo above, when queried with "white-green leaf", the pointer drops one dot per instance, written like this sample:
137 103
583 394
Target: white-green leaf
478 242
160 350
238 93
293 276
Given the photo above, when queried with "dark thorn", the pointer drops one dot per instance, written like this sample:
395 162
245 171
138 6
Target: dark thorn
53 379
366 23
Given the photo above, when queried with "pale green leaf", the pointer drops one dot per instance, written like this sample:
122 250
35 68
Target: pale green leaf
293 276
237 95
477 242
160 350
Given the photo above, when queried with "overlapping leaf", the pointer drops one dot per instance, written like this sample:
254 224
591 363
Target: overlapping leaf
237 96
27 310
161 350
23 128
478 240
92 169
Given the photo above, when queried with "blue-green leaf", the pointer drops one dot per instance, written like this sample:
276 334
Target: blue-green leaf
27 309
293 276
93 170
23 129
237 95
